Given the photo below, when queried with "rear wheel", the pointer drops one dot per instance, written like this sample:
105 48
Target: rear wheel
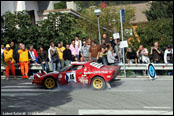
98 83
49 83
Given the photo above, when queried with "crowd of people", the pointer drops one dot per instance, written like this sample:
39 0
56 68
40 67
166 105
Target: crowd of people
108 53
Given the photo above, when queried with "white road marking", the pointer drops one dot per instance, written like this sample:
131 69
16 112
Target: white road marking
28 83
13 106
123 112
6 87
20 90
148 107
123 90
20 94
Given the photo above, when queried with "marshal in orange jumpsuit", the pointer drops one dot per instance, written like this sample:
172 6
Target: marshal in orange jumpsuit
24 61
8 58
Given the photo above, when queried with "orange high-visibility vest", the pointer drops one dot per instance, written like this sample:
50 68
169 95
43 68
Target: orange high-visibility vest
8 55
23 55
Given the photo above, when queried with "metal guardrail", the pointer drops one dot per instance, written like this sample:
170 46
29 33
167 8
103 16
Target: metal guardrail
130 67
31 67
144 66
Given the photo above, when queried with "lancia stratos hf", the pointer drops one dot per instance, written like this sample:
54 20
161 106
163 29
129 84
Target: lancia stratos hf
86 73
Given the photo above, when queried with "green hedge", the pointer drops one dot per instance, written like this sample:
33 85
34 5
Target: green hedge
46 31
158 30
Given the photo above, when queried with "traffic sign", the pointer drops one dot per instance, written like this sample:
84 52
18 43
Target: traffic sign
151 71
123 15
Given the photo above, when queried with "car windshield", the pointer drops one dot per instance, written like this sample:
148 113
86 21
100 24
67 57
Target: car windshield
97 65
64 69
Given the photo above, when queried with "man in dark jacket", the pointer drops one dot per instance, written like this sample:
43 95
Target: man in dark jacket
43 59
67 55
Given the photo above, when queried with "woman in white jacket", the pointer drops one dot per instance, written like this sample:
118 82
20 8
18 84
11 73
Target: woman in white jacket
111 56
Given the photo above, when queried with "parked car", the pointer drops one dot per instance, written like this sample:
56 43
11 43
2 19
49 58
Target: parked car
86 73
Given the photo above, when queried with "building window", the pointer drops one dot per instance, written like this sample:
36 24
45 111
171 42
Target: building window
32 16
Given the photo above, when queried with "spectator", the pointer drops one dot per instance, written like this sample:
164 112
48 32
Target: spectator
103 53
83 39
53 56
8 58
67 55
119 51
168 57
111 40
12 46
111 56
33 54
142 55
76 59
102 56
131 56
60 50
43 59
156 55
85 52
74 50
24 57
106 39
2 49
79 45
94 49
17 55
103 43
89 41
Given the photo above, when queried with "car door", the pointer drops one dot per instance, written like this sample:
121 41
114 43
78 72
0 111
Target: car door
73 73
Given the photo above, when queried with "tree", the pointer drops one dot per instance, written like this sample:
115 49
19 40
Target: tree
158 30
160 10
60 5
58 27
88 21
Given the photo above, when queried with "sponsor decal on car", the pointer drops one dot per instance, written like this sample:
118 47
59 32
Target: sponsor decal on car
83 80
95 72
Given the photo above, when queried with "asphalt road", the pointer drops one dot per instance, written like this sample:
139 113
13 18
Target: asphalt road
127 96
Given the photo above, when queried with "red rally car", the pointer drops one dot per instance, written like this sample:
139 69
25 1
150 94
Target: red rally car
86 73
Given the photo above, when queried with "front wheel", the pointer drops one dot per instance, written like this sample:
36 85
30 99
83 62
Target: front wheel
98 83
49 83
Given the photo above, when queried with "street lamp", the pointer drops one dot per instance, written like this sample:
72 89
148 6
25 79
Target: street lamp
114 25
97 13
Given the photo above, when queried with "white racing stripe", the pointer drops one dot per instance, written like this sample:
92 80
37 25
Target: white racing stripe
123 112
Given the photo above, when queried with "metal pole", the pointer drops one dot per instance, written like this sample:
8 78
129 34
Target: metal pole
99 30
122 40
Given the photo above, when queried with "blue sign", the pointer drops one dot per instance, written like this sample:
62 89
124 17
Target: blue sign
151 71
123 15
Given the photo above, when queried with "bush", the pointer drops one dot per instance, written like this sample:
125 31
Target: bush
19 28
158 30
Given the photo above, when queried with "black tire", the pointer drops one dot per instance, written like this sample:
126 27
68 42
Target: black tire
51 84
101 85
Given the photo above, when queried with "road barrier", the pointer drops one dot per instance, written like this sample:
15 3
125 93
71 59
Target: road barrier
132 67
144 66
